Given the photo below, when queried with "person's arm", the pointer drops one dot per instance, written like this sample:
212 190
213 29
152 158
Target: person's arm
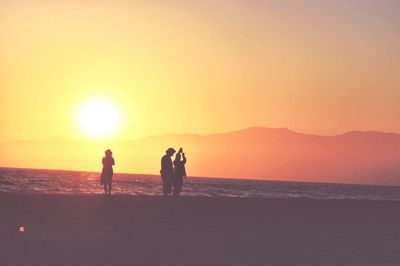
184 162
164 164
112 161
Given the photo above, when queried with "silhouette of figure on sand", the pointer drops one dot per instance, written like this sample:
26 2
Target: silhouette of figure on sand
107 172
167 171
179 171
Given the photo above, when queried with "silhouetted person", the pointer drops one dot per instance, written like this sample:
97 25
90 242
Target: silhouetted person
167 171
107 172
179 172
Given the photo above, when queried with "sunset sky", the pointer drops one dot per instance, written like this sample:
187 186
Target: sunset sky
318 66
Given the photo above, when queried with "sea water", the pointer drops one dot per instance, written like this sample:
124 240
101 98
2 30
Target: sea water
76 182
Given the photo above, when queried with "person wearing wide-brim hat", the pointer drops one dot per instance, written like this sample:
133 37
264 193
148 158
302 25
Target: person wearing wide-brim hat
107 172
167 171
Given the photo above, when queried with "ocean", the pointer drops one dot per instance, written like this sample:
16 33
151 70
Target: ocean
76 182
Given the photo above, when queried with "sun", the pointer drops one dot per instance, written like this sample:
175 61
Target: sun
99 118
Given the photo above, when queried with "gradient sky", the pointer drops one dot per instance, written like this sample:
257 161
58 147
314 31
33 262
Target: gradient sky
321 66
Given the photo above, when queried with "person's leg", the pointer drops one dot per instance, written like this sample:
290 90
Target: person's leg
175 187
179 185
109 187
169 185
165 188
105 187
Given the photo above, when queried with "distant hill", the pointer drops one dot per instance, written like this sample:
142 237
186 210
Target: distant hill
264 153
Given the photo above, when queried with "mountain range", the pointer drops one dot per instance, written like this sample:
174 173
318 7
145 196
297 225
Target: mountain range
258 152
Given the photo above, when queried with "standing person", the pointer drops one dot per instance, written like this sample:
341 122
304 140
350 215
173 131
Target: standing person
179 172
167 171
107 172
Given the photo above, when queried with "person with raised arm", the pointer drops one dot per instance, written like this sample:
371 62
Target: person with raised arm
179 172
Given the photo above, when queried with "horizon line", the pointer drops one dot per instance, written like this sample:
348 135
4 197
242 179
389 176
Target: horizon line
204 135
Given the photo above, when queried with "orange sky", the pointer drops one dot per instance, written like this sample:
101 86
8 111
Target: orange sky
199 66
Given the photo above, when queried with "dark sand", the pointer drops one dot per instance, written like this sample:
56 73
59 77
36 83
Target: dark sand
129 230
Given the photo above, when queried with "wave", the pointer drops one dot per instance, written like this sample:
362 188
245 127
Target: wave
75 182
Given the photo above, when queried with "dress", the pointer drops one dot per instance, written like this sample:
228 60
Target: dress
107 172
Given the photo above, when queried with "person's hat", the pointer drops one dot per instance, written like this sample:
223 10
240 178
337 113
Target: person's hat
170 150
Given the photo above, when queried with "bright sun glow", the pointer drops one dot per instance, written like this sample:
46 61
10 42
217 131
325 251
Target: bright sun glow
99 118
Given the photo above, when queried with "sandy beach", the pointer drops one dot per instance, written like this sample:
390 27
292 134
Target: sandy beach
140 230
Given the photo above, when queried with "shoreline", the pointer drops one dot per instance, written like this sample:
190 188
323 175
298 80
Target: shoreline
157 175
100 194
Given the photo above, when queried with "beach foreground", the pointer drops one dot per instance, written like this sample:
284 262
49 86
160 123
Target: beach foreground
144 230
